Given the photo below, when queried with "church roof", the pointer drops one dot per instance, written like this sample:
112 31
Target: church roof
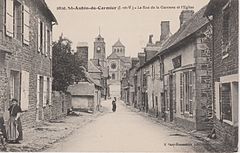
92 68
118 44
113 56
124 59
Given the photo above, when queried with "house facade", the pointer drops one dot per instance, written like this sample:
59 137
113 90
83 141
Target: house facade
175 83
26 57
224 19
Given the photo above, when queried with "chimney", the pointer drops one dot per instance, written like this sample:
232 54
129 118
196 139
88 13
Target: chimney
82 53
185 16
135 60
141 57
149 54
165 30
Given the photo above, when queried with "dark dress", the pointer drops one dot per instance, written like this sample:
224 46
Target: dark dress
14 130
114 106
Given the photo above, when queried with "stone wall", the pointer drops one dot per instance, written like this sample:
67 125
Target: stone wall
61 102
226 66
25 58
203 79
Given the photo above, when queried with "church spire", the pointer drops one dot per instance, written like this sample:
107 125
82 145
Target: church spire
99 31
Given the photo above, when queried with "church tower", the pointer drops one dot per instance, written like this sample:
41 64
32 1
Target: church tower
99 49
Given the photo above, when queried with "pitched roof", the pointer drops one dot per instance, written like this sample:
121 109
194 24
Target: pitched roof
82 89
196 22
113 55
91 80
118 44
125 59
92 68
214 5
44 5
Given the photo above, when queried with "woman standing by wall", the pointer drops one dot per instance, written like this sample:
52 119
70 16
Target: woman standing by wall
14 130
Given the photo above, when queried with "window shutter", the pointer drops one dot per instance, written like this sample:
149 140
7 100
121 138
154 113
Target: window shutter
181 92
46 40
44 91
50 51
217 99
43 38
26 23
9 18
39 35
174 93
50 91
1 15
38 91
24 90
191 93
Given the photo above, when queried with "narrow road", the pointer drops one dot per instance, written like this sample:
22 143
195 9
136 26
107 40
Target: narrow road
126 131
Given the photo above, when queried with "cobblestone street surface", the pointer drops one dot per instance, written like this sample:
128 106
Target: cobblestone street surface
126 130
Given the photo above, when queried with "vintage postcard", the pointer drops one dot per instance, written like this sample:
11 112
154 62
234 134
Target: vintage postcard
119 75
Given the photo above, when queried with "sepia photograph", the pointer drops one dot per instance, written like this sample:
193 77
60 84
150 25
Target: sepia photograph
119 76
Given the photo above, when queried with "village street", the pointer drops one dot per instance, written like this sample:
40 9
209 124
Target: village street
125 131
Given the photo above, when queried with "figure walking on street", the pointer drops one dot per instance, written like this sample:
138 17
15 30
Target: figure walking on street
114 106
14 130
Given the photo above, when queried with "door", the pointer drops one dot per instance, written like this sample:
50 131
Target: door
171 97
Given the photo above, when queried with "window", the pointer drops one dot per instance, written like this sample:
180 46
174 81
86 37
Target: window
226 99
17 20
113 66
113 76
177 62
153 71
226 31
153 100
225 107
14 85
48 42
186 92
48 90
42 37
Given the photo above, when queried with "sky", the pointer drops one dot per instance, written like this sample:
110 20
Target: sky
131 21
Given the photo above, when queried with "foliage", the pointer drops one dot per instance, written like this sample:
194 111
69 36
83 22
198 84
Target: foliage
66 68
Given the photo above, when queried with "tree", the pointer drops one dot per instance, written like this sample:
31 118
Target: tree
66 67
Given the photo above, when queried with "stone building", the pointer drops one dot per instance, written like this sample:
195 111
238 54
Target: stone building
118 64
224 19
177 80
26 57
133 82
86 96
82 54
100 61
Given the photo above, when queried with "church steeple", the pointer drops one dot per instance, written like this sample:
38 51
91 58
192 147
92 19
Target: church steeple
119 48
99 48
